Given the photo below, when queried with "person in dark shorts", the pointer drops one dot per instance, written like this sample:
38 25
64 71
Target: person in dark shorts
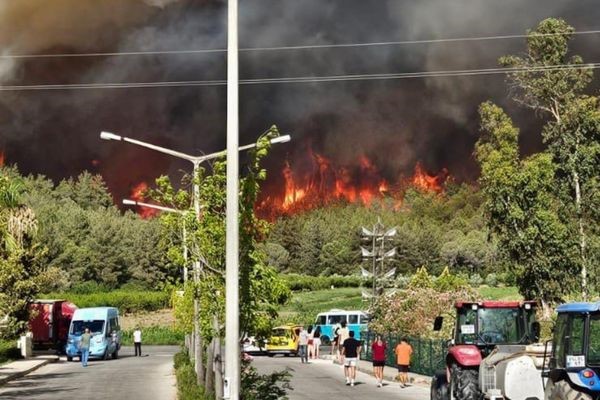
403 352
378 349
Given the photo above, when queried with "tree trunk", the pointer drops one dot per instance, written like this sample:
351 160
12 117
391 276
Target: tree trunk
209 379
582 238
198 346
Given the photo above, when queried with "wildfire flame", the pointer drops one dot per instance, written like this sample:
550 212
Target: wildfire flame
326 183
138 194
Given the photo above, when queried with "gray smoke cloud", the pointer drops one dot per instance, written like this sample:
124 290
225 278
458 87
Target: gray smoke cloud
396 123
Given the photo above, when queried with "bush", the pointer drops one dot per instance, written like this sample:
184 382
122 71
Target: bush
155 335
273 386
9 351
187 388
491 280
125 301
475 280
297 282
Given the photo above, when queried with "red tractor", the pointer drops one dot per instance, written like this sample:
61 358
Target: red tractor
480 328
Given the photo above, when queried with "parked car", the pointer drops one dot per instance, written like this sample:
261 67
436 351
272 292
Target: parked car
49 323
250 345
284 340
103 323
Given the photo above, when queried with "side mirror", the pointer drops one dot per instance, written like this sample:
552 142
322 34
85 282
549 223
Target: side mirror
535 330
437 323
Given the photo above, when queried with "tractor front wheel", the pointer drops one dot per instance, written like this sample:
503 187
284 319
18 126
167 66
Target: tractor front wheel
464 383
562 390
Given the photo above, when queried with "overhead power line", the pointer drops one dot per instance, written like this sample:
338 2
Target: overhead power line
300 79
282 48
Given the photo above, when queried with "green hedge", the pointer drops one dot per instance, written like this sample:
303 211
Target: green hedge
298 282
125 301
155 335
187 388
9 351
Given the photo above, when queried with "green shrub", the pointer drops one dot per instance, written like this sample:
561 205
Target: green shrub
475 280
9 351
297 282
89 287
125 301
155 335
492 280
187 388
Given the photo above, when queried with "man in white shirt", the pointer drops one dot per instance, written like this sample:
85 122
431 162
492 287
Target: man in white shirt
137 341
302 345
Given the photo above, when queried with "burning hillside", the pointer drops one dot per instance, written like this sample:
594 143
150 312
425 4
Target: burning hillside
323 183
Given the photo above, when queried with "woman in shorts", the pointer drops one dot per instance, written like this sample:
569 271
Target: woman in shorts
378 349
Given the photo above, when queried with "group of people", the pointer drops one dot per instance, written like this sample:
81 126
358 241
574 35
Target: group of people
86 337
309 344
347 348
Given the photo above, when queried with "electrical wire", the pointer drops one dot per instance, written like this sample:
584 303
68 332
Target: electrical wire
301 79
282 48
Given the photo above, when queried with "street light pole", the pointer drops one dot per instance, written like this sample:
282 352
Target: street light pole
231 388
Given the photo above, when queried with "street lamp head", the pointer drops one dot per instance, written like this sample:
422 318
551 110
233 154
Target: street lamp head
281 139
129 202
109 136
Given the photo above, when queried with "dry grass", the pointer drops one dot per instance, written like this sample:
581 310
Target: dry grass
146 319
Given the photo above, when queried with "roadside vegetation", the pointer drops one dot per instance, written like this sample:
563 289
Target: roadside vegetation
9 351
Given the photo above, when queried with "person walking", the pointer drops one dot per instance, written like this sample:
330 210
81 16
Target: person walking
350 351
343 335
311 342
137 341
403 353
378 349
84 346
302 345
336 339
317 341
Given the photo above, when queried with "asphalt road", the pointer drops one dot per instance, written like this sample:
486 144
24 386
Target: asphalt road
148 377
321 379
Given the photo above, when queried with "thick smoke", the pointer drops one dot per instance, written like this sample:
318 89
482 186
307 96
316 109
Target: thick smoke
395 123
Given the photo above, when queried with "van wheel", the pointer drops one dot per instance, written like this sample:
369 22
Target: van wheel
69 359
325 340
115 355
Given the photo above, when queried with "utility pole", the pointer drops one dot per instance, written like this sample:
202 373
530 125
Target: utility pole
378 253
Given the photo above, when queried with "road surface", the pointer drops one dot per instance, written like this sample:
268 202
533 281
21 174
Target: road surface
148 377
321 379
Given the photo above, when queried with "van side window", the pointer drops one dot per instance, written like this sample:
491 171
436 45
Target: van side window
336 319
353 319
322 320
364 319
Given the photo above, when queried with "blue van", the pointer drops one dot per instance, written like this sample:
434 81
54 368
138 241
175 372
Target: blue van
104 327
326 321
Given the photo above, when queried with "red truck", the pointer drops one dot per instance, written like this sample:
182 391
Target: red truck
49 323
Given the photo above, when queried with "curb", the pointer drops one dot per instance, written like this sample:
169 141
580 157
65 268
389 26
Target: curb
19 374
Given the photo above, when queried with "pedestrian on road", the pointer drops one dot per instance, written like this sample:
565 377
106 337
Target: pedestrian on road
84 346
302 345
350 351
403 352
343 335
378 349
137 341
336 339
316 341
311 342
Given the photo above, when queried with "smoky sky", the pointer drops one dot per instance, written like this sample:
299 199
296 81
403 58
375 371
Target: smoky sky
395 123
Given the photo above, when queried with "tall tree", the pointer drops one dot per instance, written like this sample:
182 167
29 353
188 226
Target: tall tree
523 211
550 81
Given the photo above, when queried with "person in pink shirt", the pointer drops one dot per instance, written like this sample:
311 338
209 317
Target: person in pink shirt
378 349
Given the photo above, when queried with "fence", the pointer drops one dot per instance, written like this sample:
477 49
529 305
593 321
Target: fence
428 356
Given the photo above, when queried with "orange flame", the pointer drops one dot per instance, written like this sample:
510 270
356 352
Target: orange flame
327 183
138 193
1 158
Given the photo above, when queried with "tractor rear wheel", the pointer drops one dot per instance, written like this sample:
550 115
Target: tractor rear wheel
561 390
464 383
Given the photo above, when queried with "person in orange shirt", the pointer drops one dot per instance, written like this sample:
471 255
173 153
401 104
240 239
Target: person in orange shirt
403 352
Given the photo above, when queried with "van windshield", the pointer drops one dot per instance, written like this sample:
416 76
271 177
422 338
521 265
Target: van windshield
96 326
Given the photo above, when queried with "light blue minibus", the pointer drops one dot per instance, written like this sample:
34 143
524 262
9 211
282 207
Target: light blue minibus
104 327
326 322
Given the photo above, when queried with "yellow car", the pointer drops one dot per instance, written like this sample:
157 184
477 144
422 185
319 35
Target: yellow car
284 340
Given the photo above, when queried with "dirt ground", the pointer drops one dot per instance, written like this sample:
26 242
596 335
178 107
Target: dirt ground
146 319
